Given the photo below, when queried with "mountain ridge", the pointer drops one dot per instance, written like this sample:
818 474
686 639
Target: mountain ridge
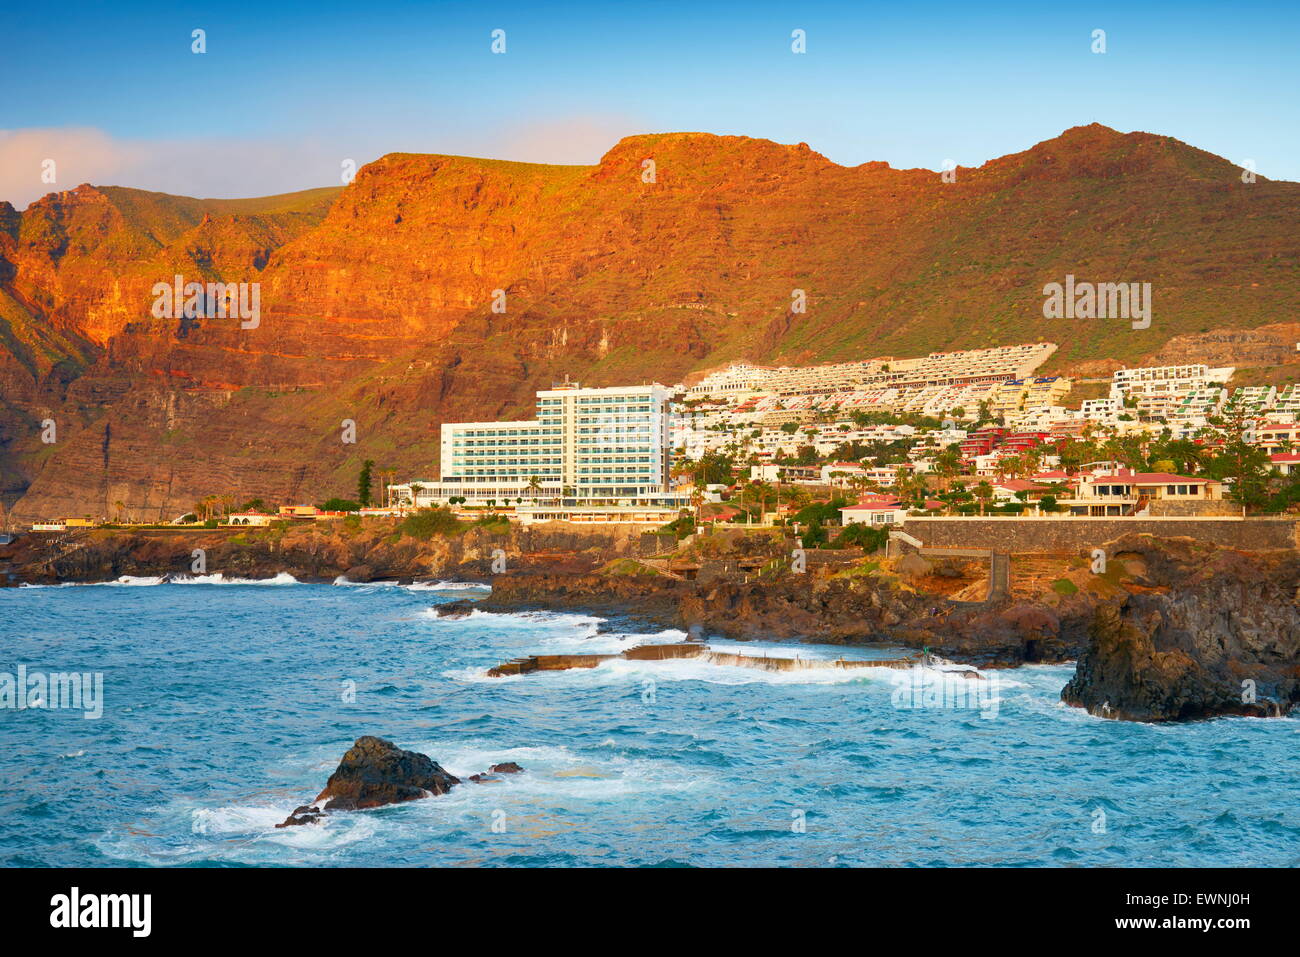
377 298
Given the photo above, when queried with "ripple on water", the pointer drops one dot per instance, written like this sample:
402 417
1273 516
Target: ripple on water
216 726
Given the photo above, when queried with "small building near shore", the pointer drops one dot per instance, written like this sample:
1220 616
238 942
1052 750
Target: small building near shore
1126 492
874 510
302 513
249 518
62 524
596 514
1010 490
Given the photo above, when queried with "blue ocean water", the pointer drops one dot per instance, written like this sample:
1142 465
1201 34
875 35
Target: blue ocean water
226 706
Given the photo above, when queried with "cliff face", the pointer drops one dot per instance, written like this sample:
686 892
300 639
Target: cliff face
76 273
1206 632
381 310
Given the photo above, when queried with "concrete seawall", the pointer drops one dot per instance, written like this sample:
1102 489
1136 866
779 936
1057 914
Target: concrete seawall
1073 534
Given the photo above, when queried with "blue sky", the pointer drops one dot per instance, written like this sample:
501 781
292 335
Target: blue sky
113 92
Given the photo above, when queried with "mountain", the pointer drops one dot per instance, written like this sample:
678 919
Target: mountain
377 299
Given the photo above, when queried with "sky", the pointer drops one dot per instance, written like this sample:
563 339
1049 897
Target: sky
282 98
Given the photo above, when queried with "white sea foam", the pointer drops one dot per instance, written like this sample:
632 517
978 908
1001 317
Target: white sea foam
589 640
283 578
342 580
223 821
549 773
448 586
148 581
620 670
588 624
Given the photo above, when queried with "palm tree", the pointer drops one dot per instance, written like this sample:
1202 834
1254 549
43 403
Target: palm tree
948 464
984 492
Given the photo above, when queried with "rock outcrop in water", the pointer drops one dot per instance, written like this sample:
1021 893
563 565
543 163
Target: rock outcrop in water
376 772
1205 632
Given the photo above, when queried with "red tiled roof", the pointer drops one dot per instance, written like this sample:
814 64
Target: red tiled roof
870 502
1153 478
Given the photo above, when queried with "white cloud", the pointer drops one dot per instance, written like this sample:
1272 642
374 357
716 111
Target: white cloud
228 168
203 168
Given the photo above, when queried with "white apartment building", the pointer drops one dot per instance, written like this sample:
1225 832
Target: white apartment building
1255 400
1287 404
739 378
586 446
1160 390
949 370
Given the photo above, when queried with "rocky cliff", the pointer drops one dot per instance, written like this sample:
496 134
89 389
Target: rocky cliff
381 309
1204 632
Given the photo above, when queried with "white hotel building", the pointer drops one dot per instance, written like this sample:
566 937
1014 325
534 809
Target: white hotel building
604 447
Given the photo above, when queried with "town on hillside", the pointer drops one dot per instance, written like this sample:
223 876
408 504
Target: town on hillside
874 443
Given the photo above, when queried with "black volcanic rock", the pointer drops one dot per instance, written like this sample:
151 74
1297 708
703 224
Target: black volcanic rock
302 815
1208 632
376 772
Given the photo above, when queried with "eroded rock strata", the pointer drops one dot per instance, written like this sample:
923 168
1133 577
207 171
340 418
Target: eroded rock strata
1203 632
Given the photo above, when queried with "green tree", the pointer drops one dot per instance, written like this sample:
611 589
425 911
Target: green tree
338 505
363 482
1244 466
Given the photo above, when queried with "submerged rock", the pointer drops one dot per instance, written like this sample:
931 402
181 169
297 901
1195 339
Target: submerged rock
508 767
460 608
307 814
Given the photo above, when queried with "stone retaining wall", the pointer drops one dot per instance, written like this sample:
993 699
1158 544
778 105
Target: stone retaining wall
1074 534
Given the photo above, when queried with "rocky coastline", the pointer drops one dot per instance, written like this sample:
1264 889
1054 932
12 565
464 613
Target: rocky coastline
373 550
1203 631
1168 630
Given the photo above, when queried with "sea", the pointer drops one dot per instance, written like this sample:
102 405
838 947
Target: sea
226 704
